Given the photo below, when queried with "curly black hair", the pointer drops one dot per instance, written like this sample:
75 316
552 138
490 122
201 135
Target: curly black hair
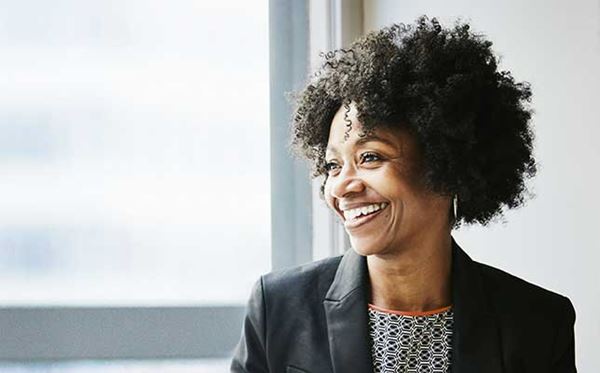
471 121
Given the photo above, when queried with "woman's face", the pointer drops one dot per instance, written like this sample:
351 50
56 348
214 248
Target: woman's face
374 188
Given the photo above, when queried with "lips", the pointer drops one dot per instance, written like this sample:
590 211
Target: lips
362 220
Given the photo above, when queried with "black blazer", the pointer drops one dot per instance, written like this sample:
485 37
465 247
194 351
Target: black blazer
313 318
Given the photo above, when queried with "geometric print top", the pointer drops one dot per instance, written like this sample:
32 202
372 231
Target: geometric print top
416 342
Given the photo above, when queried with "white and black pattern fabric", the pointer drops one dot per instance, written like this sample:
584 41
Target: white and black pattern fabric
405 343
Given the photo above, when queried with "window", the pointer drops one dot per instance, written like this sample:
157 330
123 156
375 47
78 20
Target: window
136 162
135 152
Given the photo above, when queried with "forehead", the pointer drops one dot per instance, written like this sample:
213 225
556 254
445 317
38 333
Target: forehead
347 131
356 141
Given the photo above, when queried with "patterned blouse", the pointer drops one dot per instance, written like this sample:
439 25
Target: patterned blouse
418 342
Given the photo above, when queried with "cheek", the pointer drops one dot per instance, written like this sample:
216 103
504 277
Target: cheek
400 183
391 183
327 194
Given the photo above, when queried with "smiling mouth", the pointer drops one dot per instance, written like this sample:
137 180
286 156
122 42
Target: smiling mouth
363 219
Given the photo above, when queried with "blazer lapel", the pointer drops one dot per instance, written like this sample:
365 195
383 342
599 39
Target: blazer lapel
476 336
347 316
476 344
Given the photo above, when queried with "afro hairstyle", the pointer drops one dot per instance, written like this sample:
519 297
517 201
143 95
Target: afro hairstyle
471 121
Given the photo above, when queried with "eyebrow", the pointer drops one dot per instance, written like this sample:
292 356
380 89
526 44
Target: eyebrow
364 140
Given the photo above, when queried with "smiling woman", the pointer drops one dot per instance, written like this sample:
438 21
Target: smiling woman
415 132
365 172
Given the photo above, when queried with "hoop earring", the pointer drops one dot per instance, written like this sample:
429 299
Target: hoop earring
455 206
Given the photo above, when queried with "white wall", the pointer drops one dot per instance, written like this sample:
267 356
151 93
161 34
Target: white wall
552 241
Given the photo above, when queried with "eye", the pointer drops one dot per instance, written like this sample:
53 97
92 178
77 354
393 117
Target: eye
372 156
365 157
330 166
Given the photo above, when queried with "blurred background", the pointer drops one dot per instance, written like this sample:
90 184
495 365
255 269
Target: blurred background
146 184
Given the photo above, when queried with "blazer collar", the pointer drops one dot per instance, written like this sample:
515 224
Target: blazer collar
476 337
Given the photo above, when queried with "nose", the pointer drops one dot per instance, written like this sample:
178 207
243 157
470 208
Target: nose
347 181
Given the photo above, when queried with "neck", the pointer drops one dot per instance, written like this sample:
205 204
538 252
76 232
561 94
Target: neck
415 278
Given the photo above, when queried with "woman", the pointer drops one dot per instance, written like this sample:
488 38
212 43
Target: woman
415 131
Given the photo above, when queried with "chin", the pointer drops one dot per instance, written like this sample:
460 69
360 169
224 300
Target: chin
364 248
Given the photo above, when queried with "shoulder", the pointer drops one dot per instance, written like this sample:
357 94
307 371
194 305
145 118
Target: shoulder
512 295
298 290
530 315
291 292
314 277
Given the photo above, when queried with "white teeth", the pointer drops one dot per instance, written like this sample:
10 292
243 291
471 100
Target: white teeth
354 213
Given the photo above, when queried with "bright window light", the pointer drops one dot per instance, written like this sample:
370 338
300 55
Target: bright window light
134 151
